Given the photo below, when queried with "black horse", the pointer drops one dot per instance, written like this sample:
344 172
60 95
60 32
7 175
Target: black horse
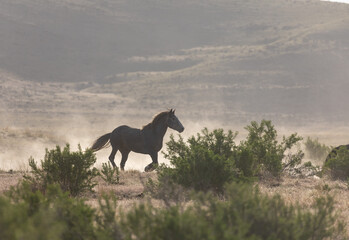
333 153
147 140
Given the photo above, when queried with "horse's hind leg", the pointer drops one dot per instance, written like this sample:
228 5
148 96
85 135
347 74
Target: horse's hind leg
154 164
112 156
123 159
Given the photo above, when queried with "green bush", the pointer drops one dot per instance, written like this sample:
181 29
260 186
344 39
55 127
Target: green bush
204 163
32 215
15 223
337 165
107 226
167 190
242 212
315 149
245 213
261 150
211 159
29 214
110 174
71 170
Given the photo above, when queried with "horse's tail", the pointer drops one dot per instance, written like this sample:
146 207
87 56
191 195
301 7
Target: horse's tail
101 142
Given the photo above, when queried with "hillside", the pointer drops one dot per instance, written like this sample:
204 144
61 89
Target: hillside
75 69
270 57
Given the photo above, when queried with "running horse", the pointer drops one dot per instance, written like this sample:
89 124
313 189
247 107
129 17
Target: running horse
147 140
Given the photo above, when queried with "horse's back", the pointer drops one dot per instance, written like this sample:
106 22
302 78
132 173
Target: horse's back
128 138
124 128
126 131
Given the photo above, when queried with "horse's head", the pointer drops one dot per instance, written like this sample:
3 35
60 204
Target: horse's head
173 122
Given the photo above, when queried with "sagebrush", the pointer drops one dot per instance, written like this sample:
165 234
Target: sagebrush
73 171
110 174
263 152
205 162
315 149
209 160
29 214
244 213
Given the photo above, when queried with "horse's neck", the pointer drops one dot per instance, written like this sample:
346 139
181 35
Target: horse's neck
160 130
157 130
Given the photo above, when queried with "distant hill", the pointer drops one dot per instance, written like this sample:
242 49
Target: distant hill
222 59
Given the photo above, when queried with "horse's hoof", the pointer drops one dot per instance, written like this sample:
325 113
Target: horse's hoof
148 168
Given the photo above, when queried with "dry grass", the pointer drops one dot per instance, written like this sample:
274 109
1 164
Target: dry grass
128 192
293 189
305 190
8 179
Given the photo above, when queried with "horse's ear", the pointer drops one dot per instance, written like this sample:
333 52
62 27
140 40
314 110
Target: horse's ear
171 111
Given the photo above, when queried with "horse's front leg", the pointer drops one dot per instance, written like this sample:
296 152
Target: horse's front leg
154 164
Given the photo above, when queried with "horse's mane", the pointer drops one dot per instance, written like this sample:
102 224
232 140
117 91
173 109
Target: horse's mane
156 119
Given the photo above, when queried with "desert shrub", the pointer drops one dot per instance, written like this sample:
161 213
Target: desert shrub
71 170
245 213
246 161
312 170
315 149
211 159
110 174
167 190
15 223
337 165
107 227
54 215
308 164
261 150
26 213
204 163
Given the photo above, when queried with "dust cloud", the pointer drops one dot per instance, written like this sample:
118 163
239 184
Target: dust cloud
18 144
